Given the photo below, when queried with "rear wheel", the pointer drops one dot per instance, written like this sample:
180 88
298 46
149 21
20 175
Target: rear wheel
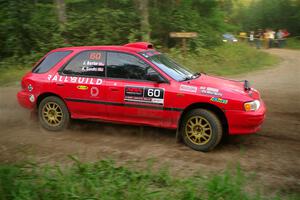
53 114
201 130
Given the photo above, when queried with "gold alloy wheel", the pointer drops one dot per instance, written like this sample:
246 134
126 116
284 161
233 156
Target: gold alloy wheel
52 114
198 130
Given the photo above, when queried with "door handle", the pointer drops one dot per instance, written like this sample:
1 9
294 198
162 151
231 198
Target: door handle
60 84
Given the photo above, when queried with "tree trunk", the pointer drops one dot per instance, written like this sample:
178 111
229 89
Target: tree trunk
61 12
145 26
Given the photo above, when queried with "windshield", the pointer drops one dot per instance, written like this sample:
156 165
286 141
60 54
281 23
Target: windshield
170 67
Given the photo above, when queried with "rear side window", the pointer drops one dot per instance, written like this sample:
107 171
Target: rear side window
50 61
87 63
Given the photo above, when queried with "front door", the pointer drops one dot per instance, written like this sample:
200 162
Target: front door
131 97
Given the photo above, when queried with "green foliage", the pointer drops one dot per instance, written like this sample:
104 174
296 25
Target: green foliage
101 22
204 17
227 59
275 14
28 27
105 180
293 43
12 75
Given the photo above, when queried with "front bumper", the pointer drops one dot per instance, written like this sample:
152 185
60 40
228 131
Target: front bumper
26 99
242 122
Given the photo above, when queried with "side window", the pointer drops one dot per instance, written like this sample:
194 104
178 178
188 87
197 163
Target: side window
87 63
50 61
121 65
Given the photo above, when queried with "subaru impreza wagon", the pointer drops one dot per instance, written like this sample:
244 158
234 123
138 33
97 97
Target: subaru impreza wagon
135 84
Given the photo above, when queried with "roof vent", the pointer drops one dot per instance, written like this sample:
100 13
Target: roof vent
140 45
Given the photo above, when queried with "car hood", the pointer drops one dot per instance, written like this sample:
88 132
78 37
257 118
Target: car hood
219 86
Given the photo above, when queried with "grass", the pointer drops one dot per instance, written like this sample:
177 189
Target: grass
12 69
293 43
12 75
105 180
228 59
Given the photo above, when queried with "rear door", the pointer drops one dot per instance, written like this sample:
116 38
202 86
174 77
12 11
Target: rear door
131 96
83 83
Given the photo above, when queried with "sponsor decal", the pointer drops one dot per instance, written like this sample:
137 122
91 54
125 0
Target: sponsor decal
92 69
31 98
210 91
219 100
188 88
78 80
144 95
95 56
94 91
92 63
82 87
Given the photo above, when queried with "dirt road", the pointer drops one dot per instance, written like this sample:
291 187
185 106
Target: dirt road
273 154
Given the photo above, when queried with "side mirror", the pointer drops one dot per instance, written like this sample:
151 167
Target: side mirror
156 78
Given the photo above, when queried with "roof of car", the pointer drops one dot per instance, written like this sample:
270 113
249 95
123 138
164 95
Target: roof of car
130 47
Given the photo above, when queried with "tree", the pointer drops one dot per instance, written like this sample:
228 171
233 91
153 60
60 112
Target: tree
143 7
61 12
145 26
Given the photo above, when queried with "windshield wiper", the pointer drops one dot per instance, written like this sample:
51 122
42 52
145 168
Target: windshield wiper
187 78
197 74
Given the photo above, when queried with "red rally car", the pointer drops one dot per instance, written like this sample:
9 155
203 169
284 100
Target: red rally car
135 84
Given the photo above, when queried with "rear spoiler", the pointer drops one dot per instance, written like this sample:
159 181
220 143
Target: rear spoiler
141 45
246 85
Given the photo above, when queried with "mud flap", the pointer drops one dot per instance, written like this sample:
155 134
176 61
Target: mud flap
178 136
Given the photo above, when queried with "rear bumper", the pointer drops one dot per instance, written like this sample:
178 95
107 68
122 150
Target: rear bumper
26 99
242 122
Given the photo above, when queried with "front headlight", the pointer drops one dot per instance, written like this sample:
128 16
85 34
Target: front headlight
252 105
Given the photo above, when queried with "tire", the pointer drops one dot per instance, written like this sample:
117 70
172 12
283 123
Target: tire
201 130
53 114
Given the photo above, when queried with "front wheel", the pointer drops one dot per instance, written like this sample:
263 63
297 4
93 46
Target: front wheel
53 114
201 130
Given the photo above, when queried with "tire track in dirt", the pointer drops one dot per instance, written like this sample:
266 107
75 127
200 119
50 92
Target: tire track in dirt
273 153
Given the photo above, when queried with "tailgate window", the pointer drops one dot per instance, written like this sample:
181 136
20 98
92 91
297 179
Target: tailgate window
50 61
